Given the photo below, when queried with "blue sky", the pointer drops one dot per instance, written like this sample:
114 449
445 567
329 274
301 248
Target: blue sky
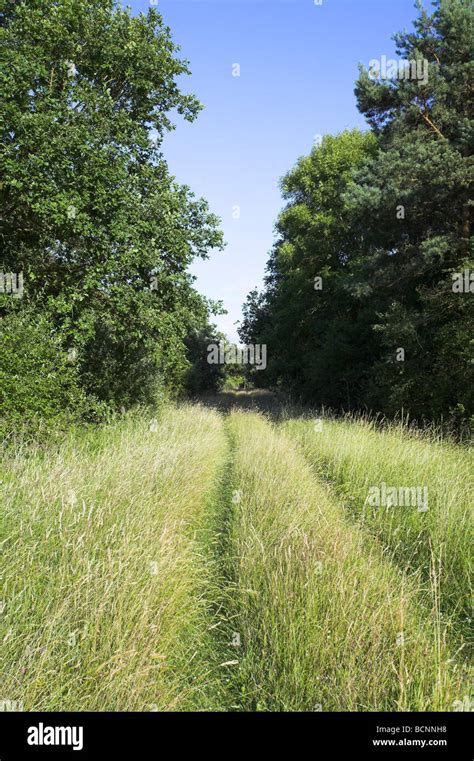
298 64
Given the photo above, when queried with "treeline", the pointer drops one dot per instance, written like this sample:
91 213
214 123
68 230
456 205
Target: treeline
97 309
369 292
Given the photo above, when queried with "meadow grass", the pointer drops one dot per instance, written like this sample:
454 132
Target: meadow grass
106 584
435 543
206 562
325 620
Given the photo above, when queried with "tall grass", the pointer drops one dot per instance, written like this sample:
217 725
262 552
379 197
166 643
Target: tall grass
436 543
106 583
325 621
188 563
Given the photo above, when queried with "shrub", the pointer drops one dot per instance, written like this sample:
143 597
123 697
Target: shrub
38 381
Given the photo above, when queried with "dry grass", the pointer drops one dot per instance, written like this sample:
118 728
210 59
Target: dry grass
324 620
105 582
436 544
200 563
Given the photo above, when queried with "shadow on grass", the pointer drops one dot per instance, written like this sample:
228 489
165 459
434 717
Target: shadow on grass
273 404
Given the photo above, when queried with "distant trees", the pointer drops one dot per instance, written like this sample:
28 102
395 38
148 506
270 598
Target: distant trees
308 316
382 220
89 212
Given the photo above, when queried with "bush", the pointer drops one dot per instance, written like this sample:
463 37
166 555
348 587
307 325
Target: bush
39 390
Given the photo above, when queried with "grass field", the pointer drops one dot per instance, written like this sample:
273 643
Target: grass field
213 560
432 540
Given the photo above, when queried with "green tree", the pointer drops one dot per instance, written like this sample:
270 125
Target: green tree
413 202
309 316
90 213
200 374
384 220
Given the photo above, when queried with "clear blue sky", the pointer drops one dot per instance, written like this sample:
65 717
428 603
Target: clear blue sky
298 67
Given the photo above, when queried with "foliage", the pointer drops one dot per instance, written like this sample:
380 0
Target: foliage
39 386
384 220
310 331
91 215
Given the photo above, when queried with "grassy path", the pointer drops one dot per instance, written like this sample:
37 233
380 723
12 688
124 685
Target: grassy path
325 621
200 562
433 543
105 582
